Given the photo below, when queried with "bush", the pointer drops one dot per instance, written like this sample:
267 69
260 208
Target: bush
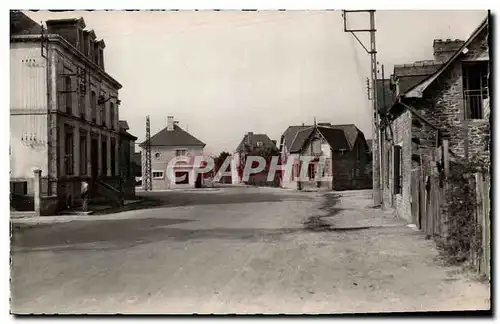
463 231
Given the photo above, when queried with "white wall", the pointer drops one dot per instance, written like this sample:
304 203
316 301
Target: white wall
160 162
28 104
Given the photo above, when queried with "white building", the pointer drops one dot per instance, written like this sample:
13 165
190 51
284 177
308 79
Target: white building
171 142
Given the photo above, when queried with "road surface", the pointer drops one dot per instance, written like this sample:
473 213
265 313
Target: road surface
236 250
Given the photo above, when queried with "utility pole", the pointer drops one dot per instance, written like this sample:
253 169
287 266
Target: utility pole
147 176
376 153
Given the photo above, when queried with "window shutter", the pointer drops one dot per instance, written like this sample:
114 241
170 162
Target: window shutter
396 168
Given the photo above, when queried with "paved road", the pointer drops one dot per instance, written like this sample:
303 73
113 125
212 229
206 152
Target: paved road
236 250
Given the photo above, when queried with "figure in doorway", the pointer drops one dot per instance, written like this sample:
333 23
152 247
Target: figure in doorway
85 196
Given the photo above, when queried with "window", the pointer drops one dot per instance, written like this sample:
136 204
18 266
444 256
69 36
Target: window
112 115
180 152
81 102
158 175
68 151
259 144
475 83
102 108
113 157
311 172
83 153
67 92
397 169
104 157
93 106
101 58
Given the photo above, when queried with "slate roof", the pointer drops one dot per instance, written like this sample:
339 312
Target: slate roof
418 88
295 136
300 138
254 138
289 135
123 125
336 138
176 137
21 24
409 75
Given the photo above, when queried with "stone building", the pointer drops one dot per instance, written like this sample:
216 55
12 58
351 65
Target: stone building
63 112
345 152
253 144
447 99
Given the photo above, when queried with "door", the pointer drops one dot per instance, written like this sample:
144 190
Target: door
182 177
415 197
93 158
198 181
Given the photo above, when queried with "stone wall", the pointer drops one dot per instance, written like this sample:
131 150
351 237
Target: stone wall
401 127
444 106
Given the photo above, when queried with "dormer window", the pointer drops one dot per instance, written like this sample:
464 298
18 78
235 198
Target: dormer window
259 144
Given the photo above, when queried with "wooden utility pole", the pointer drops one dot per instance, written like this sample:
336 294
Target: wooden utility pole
376 144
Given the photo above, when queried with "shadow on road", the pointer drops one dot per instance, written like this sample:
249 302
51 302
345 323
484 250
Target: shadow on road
124 233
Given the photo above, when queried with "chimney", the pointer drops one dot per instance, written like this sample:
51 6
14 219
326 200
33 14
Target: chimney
170 123
444 49
249 138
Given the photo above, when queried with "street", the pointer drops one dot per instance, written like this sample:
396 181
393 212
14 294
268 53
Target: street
237 250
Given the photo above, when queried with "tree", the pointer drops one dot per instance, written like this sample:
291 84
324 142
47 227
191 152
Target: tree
219 160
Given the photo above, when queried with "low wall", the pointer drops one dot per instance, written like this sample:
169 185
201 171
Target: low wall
49 205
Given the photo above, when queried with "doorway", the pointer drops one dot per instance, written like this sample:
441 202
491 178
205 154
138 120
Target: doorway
182 177
94 158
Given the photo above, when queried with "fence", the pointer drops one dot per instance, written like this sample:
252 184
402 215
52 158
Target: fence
429 198
481 257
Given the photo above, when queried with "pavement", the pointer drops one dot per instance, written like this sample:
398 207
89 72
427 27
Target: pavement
236 250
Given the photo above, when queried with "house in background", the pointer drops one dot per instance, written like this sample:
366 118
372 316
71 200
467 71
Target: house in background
253 144
171 142
64 110
126 163
343 148
451 101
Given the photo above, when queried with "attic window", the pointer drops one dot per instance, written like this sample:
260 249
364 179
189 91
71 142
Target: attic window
180 152
259 144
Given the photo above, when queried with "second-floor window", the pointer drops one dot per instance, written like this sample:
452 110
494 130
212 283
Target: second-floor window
93 106
475 83
68 94
112 115
180 152
102 108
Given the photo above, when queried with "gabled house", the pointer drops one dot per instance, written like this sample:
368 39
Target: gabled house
169 143
252 144
450 102
342 147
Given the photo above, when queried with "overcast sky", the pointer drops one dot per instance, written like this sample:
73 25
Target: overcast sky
222 74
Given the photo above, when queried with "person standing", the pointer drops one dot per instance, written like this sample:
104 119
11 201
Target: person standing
85 196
